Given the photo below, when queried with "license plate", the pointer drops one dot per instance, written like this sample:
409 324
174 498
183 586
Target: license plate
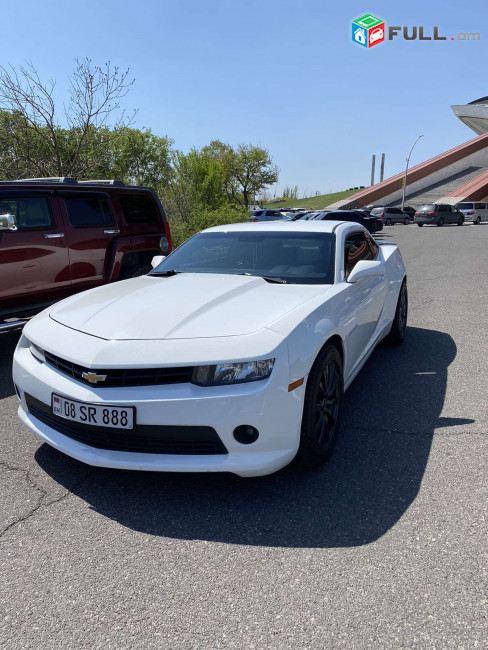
97 415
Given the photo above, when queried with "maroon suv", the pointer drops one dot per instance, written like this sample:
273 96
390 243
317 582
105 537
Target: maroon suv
60 236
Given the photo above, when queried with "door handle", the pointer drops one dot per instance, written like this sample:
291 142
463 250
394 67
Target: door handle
56 235
114 231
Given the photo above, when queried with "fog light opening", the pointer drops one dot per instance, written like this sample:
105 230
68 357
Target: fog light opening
17 392
246 434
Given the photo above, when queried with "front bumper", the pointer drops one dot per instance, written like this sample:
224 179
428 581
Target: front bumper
266 405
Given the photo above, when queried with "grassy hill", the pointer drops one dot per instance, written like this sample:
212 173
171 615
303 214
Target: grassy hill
314 202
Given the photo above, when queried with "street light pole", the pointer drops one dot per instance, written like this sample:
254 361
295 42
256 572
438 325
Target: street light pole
406 170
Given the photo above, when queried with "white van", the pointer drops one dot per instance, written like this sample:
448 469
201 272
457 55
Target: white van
475 212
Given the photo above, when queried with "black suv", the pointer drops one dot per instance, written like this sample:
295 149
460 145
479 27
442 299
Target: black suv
350 215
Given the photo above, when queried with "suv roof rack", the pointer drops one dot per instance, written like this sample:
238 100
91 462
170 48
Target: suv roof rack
98 181
48 179
67 180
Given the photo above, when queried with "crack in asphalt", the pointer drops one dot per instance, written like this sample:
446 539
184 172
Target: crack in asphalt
43 494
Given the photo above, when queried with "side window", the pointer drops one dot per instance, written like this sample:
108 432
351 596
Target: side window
31 213
88 210
443 208
138 208
356 249
480 206
373 247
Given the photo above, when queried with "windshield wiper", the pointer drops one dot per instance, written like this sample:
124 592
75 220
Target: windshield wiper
268 278
165 274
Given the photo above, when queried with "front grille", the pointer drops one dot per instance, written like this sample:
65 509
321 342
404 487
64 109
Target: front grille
146 439
123 377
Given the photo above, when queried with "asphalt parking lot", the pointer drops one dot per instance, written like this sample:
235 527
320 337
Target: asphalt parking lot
384 547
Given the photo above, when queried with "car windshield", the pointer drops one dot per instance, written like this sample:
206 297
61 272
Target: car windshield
464 206
376 211
296 258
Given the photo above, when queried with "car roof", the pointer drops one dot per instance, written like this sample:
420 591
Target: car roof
284 226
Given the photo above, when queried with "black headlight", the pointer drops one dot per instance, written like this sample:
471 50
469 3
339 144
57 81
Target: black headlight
232 373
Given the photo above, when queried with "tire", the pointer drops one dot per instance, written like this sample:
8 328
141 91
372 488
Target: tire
397 332
388 222
420 225
440 223
477 221
322 408
460 221
406 222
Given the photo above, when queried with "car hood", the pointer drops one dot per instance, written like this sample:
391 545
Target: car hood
185 306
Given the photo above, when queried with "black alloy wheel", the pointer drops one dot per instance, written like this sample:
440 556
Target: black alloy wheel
397 332
388 222
322 408
406 222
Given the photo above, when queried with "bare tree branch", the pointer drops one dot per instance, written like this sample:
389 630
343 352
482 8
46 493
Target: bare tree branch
94 104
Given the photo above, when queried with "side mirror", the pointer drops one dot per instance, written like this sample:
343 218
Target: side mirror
156 260
366 269
8 222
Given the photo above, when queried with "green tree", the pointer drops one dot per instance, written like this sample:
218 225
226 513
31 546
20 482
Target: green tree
248 170
140 158
197 181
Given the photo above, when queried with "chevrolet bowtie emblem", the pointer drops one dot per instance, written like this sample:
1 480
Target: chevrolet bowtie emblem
93 378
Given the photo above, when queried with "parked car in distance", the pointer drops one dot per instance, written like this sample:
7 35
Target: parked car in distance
265 215
390 216
294 216
379 221
410 211
438 214
59 236
475 212
349 215
306 216
233 355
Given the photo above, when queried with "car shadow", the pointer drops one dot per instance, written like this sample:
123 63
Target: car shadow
391 413
8 342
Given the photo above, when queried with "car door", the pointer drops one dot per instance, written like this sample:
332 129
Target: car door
481 211
90 230
34 261
442 213
484 212
455 214
366 296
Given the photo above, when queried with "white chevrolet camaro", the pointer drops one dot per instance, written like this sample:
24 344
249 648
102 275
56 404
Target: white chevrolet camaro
232 355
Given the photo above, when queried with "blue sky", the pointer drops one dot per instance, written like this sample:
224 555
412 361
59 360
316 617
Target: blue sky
285 75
